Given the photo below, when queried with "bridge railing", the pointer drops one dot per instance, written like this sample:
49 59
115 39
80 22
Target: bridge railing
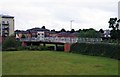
64 39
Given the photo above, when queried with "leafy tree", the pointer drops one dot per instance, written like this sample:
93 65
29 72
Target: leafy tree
89 33
114 23
10 43
62 30
23 36
43 27
101 31
115 34
72 31
53 30
78 30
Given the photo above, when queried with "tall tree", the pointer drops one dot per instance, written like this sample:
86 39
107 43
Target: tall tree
117 25
113 23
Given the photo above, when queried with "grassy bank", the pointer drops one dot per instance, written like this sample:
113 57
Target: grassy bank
56 63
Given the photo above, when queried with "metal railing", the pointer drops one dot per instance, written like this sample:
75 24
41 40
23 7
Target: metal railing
64 40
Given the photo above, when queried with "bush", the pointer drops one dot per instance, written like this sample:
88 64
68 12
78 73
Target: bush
106 50
10 44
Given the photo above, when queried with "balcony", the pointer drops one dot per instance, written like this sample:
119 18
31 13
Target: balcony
5 35
5 23
5 27
5 31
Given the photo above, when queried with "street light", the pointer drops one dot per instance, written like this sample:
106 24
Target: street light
71 24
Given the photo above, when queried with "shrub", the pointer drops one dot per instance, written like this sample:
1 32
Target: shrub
9 44
106 50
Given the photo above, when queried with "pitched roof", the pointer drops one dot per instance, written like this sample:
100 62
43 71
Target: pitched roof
38 29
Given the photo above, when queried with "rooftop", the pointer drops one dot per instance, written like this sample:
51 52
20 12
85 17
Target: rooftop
6 16
38 29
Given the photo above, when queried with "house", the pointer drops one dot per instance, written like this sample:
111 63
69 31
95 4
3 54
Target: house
22 34
34 31
106 33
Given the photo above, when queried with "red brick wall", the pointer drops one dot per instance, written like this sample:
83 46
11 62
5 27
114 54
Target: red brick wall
67 47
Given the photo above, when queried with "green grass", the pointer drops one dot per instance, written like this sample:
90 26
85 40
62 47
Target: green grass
56 63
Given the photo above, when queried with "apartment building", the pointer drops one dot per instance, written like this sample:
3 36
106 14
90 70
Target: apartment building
6 25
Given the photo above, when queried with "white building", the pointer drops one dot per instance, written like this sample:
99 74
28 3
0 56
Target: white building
41 35
119 12
106 33
6 25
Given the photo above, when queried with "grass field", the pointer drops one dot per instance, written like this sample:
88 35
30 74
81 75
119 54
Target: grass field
56 63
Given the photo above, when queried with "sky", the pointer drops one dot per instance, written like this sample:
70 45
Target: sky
57 14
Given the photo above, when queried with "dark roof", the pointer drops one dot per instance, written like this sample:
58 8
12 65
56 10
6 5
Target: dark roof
21 31
63 34
38 29
6 16
75 33
52 32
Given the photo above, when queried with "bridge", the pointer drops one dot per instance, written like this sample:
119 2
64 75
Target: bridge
66 41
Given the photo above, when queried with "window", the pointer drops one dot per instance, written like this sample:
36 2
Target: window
3 22
7 22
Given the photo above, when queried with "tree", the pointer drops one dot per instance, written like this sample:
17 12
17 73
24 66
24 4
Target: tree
43 27
89 33
117 25
101 31
23 36
114 23
10 43
53 30
78 30
62 30
72 31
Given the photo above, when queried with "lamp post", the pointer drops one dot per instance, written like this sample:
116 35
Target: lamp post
71 24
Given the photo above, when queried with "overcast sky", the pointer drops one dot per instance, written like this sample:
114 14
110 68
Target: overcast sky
57 14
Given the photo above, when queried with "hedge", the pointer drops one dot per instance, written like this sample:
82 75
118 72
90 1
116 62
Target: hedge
39 48
99 49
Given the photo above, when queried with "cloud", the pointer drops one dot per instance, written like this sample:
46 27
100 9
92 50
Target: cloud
56 14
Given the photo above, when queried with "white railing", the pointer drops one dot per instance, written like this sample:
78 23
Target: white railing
64 39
